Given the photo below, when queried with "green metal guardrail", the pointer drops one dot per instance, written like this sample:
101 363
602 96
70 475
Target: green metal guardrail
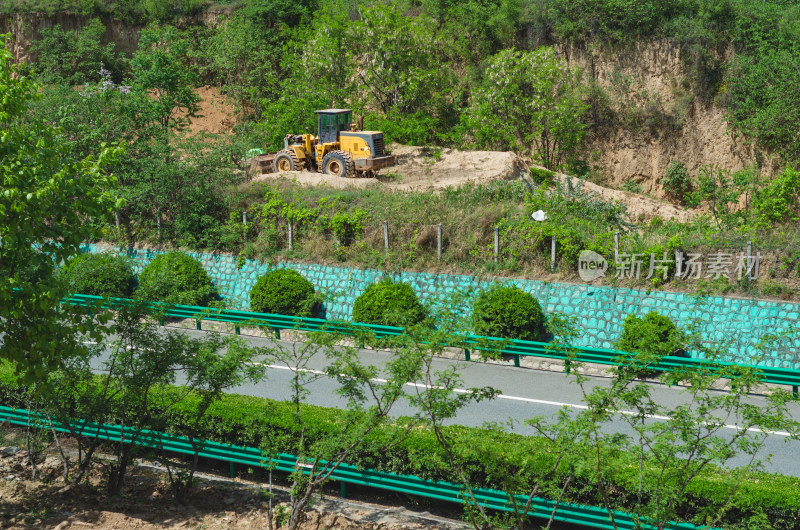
590 516
513 347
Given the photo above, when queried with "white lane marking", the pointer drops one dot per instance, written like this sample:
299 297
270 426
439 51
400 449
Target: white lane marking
538 401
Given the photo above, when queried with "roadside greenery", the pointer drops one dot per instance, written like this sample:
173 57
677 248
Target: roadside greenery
176 278
284 292
107 275
509 312
666 470
653 334
389 303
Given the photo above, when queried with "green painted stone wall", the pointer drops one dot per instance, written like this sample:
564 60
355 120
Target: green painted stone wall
600 310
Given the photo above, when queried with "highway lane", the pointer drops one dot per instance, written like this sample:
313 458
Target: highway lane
525 393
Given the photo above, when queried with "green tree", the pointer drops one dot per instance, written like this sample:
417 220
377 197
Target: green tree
778 201
720 191
74 58
45 203
368 400
404 62
143 360
676 181
315 73
159 68
528 102
762 100
241 56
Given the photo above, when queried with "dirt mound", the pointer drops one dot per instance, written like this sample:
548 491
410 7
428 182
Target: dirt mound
426 168
422 169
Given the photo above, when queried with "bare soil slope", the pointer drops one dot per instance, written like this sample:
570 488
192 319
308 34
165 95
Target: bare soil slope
147 504
216 115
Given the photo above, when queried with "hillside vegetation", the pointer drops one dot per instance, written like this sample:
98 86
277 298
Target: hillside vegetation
483 74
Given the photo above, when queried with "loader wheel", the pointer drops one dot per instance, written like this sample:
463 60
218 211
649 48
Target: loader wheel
286 160
339 164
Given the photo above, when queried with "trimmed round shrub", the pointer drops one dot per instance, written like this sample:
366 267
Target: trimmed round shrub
284 292
389 303
176 278
508 312
104 274
655 334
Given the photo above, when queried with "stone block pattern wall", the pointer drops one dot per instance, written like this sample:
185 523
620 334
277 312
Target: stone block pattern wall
600 310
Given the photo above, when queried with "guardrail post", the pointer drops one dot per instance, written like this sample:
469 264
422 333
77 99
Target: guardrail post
291 236
794 391
343 489
616 247
232 470
386 236
277 333
439 242
466 355
199 327
552 253
116 218
516 360
237 330
496 242
567 366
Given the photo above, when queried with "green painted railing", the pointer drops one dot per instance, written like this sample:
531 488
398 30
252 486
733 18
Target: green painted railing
513 347
590 516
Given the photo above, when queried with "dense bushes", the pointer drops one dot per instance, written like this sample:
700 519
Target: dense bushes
100 275
176 278
654 334
390 304
509 312
284 292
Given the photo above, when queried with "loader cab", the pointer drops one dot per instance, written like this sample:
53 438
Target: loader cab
331 122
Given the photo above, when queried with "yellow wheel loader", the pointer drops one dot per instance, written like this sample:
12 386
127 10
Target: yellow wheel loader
339 149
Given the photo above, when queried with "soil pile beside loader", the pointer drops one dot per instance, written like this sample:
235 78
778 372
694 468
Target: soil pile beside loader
422 169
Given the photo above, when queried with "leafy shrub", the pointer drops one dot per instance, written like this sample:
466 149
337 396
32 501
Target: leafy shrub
176 278
677 182
542 177
778 201
106 275
654 334
389 303
632 186
509 312
284 292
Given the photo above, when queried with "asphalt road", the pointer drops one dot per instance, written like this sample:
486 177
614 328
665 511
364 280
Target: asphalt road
524 394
